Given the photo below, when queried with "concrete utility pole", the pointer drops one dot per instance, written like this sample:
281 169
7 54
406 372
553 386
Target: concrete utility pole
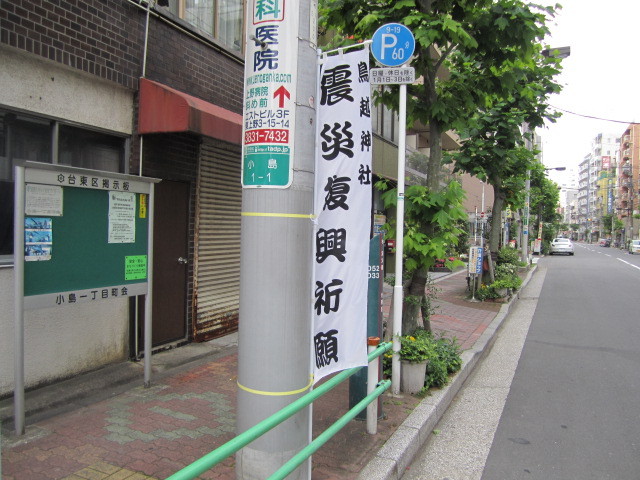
525 214
277 230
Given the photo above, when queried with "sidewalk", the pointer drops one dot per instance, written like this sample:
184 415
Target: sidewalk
128 432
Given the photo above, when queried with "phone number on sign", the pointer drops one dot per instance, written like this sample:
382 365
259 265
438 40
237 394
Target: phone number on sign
266 135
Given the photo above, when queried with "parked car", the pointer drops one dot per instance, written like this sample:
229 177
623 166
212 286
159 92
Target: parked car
561 245
634 246
605 242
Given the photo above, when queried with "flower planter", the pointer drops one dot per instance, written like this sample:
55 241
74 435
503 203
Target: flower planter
498 300
412 376
503 292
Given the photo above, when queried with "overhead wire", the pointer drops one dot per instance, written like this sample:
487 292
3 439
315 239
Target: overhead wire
591 116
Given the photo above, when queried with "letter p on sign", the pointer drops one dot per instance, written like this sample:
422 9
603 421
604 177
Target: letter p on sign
388 41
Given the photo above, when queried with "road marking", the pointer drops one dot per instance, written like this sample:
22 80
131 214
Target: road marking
630 264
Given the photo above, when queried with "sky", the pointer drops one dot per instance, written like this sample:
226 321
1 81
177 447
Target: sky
601 77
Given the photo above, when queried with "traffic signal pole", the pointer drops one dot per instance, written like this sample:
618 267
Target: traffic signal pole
274 348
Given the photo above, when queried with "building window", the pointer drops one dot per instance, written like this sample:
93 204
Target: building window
28 138
221 19
87 149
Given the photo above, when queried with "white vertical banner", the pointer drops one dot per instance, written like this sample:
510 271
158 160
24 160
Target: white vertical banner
343 212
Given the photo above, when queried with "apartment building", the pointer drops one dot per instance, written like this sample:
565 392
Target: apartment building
627 201
596 185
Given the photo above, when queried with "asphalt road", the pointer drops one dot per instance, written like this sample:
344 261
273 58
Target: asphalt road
558 397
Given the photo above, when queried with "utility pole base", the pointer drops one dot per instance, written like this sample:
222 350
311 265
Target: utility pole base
248 459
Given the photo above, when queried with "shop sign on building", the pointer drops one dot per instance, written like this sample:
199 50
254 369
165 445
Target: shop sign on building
270 94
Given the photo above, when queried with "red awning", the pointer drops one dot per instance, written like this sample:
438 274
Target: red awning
164 109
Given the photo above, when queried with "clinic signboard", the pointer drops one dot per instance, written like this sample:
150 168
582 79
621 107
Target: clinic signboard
270 94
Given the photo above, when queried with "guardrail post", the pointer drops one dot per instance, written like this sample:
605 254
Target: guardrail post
372 381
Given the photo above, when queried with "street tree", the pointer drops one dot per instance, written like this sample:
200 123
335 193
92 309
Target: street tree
545 200
467 56
466 51
545 196
424 207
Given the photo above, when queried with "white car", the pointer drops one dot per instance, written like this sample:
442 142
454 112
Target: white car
561 245
634 247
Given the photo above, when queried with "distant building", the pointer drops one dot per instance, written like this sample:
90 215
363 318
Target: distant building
627 201
596 183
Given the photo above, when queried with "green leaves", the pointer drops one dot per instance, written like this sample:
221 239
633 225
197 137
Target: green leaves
424 209
404 4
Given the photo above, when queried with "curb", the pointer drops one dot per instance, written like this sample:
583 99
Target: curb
398 452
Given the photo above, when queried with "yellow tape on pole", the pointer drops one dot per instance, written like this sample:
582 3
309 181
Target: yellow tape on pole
277 394
284 215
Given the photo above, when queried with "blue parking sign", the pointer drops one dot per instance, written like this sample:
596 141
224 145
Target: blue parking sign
392 45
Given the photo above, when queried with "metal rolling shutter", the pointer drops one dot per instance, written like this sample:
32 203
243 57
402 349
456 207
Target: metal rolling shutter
217 236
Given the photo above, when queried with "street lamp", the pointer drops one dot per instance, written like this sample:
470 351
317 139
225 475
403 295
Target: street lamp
558 52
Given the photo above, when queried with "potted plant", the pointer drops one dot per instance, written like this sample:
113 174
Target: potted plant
415 351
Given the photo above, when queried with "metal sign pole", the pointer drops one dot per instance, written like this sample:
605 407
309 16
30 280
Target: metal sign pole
397 289
148 306
393 45
18 272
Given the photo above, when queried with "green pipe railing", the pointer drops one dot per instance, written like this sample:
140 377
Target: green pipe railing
325 436
213 458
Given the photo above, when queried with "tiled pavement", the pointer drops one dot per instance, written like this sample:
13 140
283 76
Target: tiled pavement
151 433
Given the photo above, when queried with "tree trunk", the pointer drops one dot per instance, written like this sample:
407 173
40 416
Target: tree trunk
418 282
496 219
413 299
426 314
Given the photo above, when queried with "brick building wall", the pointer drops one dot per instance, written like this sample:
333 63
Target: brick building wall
188 65
102 38
105 38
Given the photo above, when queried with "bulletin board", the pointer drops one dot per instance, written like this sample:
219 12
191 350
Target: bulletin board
86 235
79 236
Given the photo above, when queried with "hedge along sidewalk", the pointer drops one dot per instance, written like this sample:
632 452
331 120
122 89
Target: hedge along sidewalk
398 452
